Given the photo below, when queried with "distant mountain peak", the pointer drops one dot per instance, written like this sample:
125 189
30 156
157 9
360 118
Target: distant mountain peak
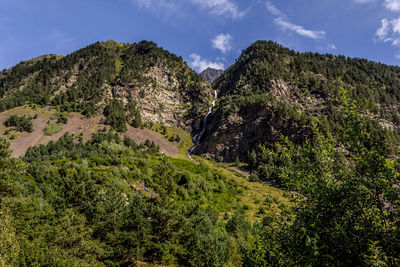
210 74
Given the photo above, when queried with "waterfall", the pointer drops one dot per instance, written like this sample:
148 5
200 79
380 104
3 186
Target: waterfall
197 137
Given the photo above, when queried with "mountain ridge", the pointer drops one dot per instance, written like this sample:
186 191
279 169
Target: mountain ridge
272 91
85 81
210 74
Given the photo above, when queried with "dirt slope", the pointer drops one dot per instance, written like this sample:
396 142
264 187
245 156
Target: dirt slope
76 125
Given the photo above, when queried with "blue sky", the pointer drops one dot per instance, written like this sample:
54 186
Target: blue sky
204 32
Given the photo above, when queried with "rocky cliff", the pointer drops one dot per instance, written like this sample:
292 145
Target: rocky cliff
210 74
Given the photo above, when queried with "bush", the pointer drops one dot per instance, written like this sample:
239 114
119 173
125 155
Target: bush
52 128
163 130
21 123
62 118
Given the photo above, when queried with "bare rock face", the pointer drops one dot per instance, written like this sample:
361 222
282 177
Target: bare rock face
210 74
161 101
228 137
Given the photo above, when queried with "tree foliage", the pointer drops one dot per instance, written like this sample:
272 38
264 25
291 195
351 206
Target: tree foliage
21 123
347 210
109 202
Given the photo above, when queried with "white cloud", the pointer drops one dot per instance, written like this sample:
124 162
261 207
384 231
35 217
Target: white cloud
389 31
383 31
221 7
200 64
273 10
222 42
284 22
396 25
393 5
331 46
325 48
299 29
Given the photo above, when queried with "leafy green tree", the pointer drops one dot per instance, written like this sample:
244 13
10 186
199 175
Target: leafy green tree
205 246
134 116
9 245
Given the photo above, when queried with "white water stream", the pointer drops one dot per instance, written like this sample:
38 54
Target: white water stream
197 137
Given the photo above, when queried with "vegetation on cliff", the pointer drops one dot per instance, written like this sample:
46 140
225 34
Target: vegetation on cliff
347 210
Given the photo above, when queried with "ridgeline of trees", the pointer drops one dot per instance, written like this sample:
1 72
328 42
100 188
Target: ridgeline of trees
314 75
312 72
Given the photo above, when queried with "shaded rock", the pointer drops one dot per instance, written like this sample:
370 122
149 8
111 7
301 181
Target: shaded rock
210 75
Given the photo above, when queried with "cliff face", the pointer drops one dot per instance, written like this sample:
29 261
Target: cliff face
161 84
246 129
272 92
210 74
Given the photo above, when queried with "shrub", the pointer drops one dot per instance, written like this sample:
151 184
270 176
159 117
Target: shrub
62 118
52 128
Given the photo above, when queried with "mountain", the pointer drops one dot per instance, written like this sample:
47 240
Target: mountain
160 84
107 84
210 74
271 91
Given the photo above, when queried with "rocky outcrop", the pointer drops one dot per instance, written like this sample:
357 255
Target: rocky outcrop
161 101
247 129
210 74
